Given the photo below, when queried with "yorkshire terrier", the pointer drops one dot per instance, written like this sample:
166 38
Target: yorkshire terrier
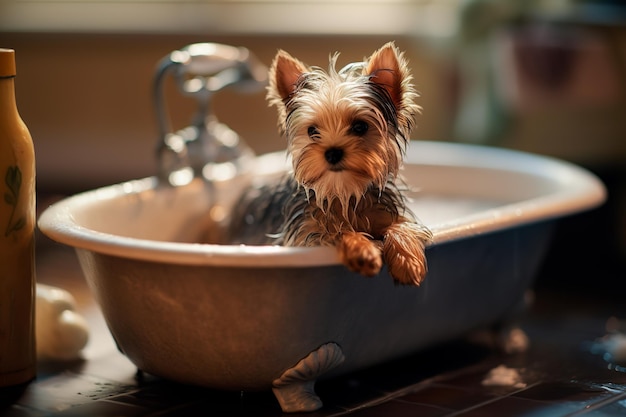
347 132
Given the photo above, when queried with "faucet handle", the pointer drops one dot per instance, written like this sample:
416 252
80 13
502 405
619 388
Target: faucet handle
211 67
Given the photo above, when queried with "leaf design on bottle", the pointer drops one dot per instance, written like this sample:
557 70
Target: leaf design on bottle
13 180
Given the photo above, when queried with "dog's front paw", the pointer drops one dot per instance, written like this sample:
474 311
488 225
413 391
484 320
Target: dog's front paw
404 251
408 269
360 254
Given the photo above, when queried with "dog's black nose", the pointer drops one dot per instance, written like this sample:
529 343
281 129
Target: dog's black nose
334 155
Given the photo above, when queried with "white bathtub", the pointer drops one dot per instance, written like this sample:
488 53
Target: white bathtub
267 317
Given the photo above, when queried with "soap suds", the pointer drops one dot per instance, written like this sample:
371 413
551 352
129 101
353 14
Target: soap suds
502 376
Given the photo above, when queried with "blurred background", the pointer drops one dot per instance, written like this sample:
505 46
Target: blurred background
544 76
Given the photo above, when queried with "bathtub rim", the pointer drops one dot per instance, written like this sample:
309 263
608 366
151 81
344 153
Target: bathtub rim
579 190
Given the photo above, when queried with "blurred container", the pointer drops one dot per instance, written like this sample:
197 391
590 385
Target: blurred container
17 224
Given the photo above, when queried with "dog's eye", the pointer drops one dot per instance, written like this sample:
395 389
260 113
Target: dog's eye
359 128
313 132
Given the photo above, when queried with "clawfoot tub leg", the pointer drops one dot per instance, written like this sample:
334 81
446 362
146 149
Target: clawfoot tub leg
294 390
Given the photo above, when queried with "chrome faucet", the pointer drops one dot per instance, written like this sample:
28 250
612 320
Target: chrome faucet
207 148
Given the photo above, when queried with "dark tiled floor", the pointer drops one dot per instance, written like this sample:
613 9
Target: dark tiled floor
559 375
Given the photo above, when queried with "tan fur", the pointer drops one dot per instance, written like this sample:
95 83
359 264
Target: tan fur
351 202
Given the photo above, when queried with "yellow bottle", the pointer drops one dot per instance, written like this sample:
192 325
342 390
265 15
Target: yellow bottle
17 225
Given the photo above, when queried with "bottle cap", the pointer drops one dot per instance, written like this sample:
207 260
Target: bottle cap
7 63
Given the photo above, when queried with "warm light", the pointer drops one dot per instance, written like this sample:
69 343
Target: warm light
328 17
175 143
217 213
219 172
181 177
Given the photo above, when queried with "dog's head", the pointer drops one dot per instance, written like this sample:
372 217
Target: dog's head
346 130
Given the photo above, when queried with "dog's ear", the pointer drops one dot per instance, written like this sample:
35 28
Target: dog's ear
387 68
284 74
